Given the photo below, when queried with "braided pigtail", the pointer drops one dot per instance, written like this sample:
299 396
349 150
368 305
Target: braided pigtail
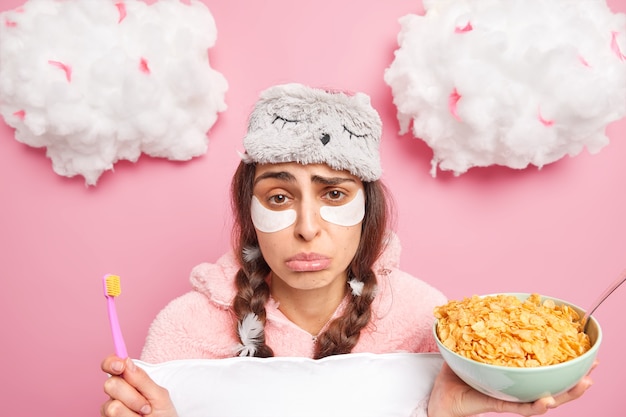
249 307
343 333
252 291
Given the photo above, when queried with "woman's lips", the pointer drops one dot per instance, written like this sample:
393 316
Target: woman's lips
308 262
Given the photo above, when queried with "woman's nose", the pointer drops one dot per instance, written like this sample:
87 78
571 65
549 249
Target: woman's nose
308 221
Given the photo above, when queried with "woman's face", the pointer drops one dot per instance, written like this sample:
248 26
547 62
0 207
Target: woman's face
308 222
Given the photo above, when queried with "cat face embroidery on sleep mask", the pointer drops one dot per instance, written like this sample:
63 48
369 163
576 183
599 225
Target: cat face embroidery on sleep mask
296 123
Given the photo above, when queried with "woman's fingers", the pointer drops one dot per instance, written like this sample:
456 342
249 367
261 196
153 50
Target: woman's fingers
124 396
132 391
113 365
543 405
116 408
124 388
157 396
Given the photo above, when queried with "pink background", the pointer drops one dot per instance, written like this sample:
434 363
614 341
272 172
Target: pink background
560 231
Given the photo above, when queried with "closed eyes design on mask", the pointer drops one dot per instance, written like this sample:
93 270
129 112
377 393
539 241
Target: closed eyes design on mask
270 221
285 121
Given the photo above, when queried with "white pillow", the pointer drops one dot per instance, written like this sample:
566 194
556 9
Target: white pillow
359 384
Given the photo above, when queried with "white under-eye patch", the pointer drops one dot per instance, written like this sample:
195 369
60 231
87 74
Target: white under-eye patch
269 221
348 214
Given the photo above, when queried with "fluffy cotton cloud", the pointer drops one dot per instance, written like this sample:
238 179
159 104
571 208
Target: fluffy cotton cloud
95 82
511 83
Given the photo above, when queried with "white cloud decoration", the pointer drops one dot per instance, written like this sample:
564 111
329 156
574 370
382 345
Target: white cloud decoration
512 83
95 82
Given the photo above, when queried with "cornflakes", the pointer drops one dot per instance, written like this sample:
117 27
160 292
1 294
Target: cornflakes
503 330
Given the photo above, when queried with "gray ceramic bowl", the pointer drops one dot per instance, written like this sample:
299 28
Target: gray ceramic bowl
525 384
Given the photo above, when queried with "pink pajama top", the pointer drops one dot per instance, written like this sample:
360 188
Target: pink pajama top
200 325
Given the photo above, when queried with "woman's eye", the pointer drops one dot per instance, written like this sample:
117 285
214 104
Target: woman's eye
278 200
335 195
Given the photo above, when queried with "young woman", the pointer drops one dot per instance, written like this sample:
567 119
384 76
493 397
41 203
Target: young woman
313 271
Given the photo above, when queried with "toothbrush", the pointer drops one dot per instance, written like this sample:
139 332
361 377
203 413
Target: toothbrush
112 289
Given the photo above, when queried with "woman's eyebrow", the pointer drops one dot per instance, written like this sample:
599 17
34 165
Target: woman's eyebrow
280 175
331 180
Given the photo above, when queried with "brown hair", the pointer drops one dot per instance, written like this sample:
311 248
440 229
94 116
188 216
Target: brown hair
253 292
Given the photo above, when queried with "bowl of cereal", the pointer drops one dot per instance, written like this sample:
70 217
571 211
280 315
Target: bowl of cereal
516 346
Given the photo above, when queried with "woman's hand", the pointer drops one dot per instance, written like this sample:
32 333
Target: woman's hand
451 397
132 392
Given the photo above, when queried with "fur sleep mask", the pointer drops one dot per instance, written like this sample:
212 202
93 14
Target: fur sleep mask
296 123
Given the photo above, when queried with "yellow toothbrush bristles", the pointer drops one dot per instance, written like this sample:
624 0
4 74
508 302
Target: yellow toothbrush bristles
113 285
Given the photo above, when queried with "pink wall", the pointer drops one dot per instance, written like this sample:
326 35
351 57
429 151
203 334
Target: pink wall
560 231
